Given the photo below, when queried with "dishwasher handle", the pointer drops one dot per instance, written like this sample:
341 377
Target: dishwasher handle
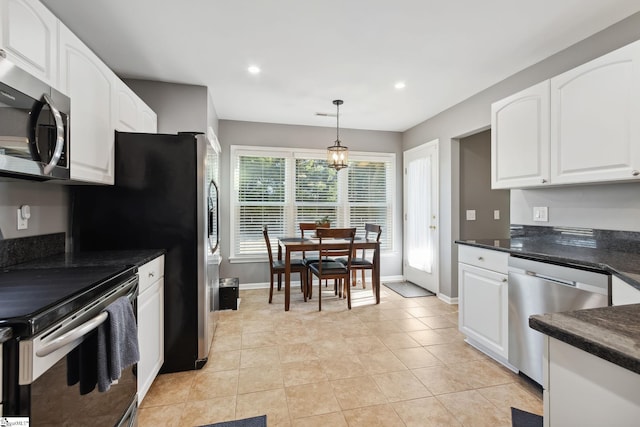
571 283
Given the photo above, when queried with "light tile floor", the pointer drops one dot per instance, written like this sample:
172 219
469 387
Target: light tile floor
400 363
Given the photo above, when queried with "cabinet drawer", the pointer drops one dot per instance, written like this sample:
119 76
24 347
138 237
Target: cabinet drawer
150 272
484 258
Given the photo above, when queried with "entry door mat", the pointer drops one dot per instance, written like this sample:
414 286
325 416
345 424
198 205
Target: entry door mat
408 289
260 421
520 418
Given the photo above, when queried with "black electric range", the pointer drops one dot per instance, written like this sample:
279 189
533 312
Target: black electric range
31 299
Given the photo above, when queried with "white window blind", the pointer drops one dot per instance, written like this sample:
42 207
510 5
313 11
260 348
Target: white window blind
292 186
368 200
261 200
316 191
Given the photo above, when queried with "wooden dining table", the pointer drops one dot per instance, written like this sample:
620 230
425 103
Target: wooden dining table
289 245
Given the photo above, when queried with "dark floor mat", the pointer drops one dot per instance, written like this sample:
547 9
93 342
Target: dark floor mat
408 289
260 421
520 418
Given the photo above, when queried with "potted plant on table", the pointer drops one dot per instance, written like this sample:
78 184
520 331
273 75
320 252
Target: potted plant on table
324 222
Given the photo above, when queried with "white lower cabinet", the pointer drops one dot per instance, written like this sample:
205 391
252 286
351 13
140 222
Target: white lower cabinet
623 293
150 323
483 300
584 390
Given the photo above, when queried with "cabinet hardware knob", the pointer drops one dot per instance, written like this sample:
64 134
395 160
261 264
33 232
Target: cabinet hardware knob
504 280
151 274
3 54
544 181
635 173
480 258
433 227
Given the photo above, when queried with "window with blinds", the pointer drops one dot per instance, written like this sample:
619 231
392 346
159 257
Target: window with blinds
368 190
296 186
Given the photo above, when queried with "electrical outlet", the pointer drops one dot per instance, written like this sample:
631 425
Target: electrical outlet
23 223
496 214
471 215
541 213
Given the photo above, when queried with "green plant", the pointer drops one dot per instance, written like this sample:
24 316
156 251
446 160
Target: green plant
324 220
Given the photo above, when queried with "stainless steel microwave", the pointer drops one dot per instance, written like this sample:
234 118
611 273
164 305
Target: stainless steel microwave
34 126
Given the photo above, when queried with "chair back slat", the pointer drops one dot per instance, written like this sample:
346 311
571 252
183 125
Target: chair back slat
371 229
327 235
265 233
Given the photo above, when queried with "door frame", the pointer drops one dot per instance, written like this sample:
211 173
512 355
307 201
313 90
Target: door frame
434 222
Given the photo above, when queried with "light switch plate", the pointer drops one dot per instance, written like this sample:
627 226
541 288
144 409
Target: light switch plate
541 213
471 215
496 214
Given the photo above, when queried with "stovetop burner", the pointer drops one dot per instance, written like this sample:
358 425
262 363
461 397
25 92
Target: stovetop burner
32 299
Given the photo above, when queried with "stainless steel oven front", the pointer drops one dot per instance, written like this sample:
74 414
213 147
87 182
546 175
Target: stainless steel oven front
34 126
40 386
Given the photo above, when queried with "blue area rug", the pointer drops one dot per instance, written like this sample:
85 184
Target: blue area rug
260 421
408 289
520 418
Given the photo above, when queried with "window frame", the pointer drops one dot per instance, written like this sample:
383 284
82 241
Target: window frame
291 155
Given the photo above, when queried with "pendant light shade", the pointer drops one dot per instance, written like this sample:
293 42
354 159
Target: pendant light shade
338 155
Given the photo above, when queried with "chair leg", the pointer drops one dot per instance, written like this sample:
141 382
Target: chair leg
364 283
348 292
303 284
319 294
279 281
270 288
353 277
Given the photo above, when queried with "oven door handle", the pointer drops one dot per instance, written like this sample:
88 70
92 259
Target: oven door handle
72 335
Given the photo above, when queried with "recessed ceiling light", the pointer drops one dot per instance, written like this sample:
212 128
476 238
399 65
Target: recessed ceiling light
254 69
400 85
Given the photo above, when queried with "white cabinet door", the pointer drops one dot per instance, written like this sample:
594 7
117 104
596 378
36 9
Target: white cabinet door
90 85
29 37
623 293
520 139
595 126
150 323
148 119
483 308
131 112
150 335
127 119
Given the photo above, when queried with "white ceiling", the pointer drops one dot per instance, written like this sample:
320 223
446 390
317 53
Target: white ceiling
314 51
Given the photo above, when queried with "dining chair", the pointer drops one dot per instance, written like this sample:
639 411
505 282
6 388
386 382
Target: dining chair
311 257
361 262
278 267
330 269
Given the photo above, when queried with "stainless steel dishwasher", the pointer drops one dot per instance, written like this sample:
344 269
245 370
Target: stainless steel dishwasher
539 287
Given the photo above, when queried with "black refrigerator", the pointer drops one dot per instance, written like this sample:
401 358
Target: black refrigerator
164 197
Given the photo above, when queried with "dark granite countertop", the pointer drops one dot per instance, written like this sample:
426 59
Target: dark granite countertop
611 333
133 257
625 264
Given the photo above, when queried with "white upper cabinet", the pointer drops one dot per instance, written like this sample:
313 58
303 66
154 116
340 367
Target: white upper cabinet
132 113
126 108
595 119
520 139
148 119
91 86
29 37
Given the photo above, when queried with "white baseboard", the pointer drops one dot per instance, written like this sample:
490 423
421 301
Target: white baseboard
265 285
448 299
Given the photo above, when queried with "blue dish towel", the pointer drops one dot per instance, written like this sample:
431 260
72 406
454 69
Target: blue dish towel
117 343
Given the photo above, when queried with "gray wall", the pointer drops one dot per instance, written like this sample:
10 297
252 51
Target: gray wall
476 193
473 114
179 107
275 135
49 208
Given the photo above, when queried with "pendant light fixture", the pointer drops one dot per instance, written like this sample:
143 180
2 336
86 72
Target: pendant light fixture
338 155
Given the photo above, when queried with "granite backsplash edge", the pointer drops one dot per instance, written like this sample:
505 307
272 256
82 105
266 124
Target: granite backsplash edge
24 249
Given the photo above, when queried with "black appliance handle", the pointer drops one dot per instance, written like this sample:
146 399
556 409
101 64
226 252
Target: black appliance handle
211 216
